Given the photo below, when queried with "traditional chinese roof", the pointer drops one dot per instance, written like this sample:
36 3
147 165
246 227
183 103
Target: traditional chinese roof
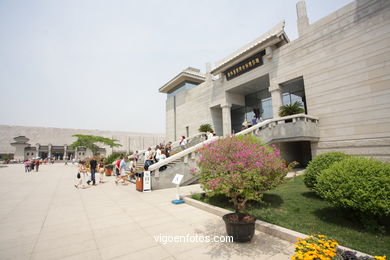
273 36
21 139
188 75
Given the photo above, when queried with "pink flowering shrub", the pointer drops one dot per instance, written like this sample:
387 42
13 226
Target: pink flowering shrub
242 168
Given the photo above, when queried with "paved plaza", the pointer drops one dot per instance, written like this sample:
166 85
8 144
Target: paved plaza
43 216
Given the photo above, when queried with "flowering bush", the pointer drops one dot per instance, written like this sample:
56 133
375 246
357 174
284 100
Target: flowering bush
315 247
242 168
319 247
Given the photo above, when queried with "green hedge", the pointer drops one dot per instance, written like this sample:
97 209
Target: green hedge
320 163
357 183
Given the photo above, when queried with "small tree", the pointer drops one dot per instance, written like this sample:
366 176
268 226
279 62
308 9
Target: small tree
89 141
205 128
288 110
242 168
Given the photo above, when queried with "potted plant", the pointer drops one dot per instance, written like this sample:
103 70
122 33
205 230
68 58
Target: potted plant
242 168
293 109
205 128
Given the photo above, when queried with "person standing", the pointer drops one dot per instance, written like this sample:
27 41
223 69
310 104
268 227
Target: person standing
36 162
117 170
93 165
136 157
27 165
123 170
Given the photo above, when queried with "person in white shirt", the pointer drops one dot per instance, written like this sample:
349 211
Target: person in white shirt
183 142
210 135
157 153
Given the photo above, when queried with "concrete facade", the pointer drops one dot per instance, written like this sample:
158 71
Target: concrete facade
341 63
57 140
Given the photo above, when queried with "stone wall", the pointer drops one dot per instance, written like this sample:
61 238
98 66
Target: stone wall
345 62
61 136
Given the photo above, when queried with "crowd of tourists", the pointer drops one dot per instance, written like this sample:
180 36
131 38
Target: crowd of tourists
159 153
30 165
87 173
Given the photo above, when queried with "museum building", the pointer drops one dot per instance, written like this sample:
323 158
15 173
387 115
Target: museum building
338 69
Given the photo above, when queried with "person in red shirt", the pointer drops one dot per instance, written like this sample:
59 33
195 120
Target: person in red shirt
117 170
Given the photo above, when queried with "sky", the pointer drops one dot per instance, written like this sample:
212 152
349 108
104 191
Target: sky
98 64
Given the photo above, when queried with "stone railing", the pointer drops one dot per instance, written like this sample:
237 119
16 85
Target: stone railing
278 121
180 155
189 153
175 145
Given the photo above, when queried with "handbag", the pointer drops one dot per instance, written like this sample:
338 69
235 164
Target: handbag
78 175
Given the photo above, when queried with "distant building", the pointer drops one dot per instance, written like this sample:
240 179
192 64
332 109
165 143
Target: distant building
338 68
20 142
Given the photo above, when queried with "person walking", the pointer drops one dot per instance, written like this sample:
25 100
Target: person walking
117 170
81 175
183 142
93 165
101 170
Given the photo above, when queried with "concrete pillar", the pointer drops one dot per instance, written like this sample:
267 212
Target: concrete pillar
65 152
303 20
37 150
49 151
76 153
276 96
226 119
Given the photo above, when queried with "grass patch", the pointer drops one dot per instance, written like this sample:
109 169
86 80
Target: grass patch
292 205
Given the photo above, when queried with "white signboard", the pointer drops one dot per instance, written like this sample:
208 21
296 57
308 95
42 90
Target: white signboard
147 181
177 179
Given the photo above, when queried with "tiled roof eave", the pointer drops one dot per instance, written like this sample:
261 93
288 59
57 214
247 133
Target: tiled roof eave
274 33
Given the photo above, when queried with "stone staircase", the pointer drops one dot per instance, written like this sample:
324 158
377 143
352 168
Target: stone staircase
289 128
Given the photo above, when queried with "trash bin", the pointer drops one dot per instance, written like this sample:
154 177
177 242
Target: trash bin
139 181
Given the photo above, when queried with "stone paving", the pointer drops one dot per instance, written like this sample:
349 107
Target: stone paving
43 216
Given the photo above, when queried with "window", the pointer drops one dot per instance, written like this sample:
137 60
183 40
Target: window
182 87
28 154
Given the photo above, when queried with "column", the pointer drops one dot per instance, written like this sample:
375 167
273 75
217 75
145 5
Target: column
65 152
276 96
303 19
226 119
49 151
76 153
37 148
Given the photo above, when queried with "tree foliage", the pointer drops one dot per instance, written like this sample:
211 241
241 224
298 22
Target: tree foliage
91 141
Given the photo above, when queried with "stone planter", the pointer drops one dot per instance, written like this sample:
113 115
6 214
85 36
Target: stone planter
240 226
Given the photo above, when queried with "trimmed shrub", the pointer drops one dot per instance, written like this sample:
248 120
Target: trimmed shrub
320 163
357 183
